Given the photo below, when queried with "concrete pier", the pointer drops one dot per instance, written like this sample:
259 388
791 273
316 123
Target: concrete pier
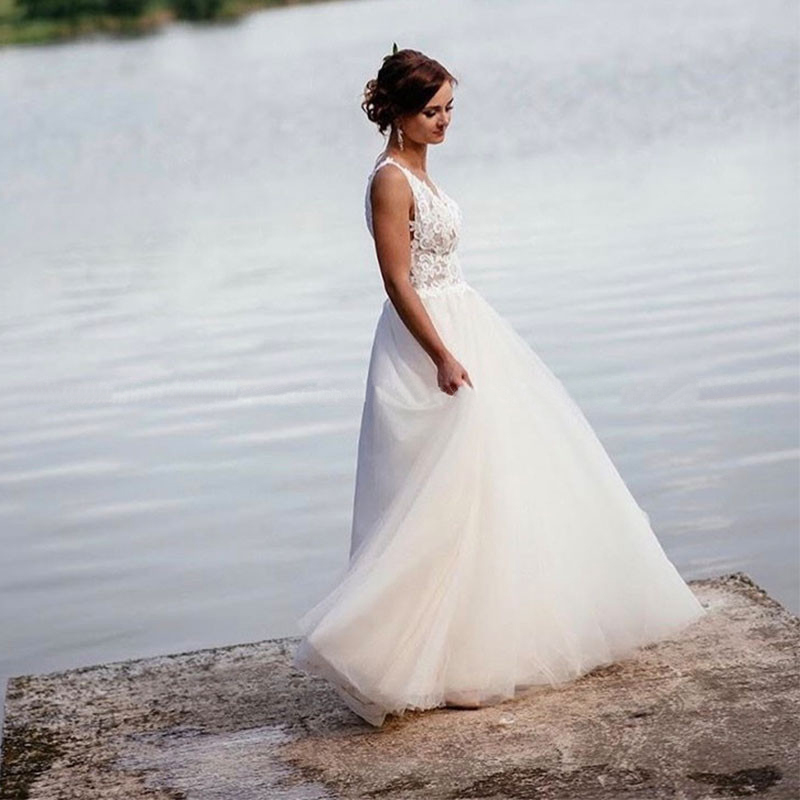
711 714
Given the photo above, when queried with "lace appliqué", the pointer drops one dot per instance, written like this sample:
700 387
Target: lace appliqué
435 268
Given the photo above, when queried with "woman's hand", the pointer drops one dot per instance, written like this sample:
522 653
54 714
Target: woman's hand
451 374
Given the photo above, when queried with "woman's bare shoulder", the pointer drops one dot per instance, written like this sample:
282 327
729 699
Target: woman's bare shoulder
390 184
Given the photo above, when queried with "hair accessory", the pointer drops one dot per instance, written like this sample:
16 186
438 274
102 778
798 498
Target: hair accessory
394 47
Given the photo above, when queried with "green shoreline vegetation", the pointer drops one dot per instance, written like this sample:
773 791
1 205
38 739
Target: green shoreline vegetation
26 22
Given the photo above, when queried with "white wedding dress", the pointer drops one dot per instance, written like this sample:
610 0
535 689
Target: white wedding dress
494 546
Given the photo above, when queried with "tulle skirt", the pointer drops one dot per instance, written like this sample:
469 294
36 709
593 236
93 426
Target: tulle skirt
494 545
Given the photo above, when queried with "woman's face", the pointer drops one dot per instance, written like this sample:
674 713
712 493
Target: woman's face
429 125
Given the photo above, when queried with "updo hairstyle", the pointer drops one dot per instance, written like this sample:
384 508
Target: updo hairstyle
406 81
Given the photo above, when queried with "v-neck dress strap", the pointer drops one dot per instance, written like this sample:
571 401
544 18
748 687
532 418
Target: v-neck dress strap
431 187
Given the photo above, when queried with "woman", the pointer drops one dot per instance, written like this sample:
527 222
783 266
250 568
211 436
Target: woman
495 547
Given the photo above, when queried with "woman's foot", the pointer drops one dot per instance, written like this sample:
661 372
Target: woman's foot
462 700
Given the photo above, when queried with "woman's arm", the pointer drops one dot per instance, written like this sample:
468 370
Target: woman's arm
391 198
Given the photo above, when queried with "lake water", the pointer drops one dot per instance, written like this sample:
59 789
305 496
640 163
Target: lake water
189 293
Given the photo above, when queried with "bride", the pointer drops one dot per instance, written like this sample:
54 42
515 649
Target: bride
494 546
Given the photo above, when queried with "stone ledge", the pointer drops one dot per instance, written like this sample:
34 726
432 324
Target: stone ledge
711 714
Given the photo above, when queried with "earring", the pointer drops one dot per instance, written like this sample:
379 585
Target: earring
400 137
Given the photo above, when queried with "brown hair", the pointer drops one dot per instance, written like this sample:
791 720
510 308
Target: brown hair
406 81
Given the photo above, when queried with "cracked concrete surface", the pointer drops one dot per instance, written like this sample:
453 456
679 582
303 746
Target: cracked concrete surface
712 713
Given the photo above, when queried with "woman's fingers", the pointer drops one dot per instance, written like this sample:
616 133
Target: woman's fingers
452 386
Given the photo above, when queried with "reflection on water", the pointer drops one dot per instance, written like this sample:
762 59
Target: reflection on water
190 294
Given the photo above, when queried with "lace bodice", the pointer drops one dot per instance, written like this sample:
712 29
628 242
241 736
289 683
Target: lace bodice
434 235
